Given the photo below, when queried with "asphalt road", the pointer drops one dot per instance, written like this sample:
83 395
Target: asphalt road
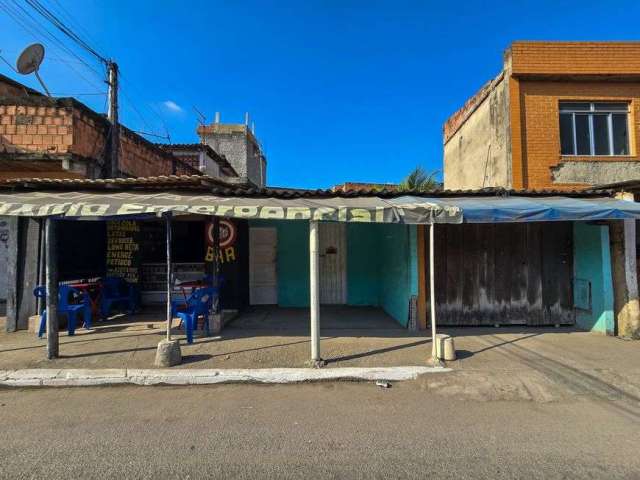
333 430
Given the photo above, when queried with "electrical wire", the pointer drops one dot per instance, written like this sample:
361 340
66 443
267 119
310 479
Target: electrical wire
57 94
62 11
8 64
38 32
149 108
34 27
56 22
43 30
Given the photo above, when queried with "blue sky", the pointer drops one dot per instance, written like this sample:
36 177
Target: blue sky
339 90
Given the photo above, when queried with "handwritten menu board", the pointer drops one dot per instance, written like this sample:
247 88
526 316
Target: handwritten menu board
123 249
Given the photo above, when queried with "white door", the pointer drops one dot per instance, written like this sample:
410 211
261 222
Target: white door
333 264
263 278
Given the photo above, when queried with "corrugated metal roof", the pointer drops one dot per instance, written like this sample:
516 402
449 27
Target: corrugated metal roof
220 187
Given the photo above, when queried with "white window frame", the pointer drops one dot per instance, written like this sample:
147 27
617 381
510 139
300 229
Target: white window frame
590 114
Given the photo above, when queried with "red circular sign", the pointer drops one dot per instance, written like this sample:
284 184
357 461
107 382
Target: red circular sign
228 233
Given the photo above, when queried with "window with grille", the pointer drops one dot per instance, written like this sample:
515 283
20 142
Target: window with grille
594 128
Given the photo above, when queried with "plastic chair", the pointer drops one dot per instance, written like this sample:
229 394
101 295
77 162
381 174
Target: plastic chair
116 290
197 305
71 310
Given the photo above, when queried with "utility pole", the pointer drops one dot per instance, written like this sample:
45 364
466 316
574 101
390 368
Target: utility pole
113 166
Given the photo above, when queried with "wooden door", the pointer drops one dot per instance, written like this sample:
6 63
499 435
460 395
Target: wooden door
333 264
504 274
263 277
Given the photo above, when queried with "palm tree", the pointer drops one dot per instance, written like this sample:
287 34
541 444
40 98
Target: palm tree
419 181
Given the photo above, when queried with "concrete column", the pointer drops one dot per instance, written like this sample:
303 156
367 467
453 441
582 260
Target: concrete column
12 274
22 271
314 293
51 248
625 279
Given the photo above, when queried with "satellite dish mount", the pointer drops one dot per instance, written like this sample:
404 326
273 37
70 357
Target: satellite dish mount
30 60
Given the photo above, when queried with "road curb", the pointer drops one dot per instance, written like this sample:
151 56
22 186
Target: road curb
96 377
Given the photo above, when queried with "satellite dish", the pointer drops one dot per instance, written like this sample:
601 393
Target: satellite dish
30 60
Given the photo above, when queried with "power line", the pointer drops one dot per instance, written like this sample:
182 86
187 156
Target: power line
26 16
77 24
57 94
27 21
30 25
56 22
8 64
148 107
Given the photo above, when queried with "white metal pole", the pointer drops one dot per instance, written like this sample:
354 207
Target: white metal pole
314 292
432 294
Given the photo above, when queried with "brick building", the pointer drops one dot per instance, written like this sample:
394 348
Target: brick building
239 145
560 115
62 138
44 137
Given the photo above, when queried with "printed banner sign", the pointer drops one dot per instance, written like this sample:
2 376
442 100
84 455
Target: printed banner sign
336 209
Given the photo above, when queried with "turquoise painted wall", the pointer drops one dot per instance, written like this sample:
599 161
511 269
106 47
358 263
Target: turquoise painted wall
398 269
382 267
592 261
363 265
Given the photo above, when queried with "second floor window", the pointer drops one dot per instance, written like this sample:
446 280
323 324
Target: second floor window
588 128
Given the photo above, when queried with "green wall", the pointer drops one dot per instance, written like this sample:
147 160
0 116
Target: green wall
382 265
398 269
363 265
592 262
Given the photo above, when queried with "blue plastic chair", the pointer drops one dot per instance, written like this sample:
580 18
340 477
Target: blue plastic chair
116 290
197 305
71 310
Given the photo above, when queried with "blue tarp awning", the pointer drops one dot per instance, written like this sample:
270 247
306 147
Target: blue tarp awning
535 209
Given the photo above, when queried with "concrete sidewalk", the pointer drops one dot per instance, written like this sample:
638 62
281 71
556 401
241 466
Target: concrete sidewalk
537 364
83 378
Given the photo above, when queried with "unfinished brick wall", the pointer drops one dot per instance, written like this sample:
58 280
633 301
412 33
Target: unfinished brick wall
74 129
89 135
140 160
11 88
188 164
27 129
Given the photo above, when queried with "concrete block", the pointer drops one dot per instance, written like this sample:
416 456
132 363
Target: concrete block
168 353
445 347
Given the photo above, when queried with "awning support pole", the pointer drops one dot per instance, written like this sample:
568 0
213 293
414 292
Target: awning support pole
216 252
314 293
168 353
53 341
432 295
167 222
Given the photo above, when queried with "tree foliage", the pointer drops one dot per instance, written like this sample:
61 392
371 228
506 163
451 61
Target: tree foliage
419 181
